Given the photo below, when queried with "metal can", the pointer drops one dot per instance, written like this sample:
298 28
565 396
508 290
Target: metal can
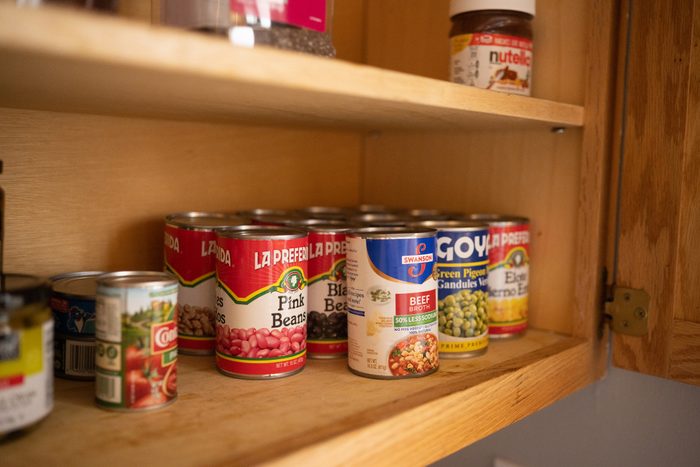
325 212
73 306
273 217
463 258
327 323
136 340
190 255
261 301
509 271
26 352
429 214
383 219
392 302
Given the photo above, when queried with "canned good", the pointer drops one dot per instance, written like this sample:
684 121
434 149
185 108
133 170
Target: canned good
190 255
136 340
325 212
372 209
273 217
261 301
462 251
509 270
73 306
327 326
383 219
392 302
26 352
429 214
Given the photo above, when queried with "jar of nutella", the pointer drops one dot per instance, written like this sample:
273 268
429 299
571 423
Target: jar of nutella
491 44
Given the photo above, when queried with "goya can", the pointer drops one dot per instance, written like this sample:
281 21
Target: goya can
327 323
136 340
190 255
73 306
509 270
26 352
392 302
261 301
462 251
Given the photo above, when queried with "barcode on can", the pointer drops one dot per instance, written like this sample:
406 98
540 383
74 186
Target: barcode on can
80 358
108 388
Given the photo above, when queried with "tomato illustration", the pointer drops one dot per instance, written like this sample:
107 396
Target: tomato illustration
169 386
149 401
135 358
137 385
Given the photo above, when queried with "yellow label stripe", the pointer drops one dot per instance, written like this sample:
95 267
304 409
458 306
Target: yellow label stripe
195 338
327 342
187 283
262 360
476 263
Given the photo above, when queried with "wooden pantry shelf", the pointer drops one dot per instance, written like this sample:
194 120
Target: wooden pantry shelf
69 61
322 416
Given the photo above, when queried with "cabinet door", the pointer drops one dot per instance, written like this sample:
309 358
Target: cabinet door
658 185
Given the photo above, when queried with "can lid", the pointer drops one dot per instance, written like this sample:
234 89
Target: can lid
79 284
136 278
203 220
463 6
261 232
372 209
18 290
463 225
498 219
251 213
392 232
325 212
321 225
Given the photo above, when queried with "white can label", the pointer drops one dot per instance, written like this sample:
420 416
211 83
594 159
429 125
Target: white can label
26 376
492 61
392 306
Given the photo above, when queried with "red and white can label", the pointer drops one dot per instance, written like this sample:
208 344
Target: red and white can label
492 61
261 302
509 268
190 255
327 320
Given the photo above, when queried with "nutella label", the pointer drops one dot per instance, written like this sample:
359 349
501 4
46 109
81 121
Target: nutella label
492 61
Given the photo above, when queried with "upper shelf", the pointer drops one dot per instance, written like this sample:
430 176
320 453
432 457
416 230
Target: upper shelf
79 62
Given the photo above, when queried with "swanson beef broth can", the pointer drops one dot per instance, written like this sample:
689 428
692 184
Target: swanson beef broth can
136 345
392 302
261 301
509 271
462 252
73 306
190 255
327 324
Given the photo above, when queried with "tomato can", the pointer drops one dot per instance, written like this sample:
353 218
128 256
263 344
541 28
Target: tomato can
190 255
392 302
327 323
463 258
73 306
261 301
26 353
509 271
136 340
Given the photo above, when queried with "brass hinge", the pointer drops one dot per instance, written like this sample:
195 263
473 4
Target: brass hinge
628 311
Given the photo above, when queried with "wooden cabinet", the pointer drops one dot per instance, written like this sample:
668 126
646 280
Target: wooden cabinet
108 124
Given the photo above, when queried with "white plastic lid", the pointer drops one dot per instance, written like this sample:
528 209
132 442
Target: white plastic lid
463 6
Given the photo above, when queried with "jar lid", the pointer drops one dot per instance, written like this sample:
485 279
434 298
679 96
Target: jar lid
18 290
464 6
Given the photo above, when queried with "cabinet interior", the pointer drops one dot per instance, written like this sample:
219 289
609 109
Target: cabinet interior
87 192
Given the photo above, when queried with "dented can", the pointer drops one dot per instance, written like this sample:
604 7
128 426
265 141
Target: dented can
73 306
509 271
190 247
392 302
261 301
136 340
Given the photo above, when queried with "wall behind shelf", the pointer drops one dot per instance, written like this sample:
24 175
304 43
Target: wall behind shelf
89 192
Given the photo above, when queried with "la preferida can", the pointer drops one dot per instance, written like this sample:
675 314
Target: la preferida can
392 302
190 255
73 306
463 258
327 324
261 301
136 340
509 271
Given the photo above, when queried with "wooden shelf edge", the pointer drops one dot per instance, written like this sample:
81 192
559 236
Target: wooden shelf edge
445 425
71 61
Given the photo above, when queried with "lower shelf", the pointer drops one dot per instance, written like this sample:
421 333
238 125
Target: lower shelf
322 415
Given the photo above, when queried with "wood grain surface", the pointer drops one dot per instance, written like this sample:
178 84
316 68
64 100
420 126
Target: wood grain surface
685 352
324 415
658 203
158 72
86 192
